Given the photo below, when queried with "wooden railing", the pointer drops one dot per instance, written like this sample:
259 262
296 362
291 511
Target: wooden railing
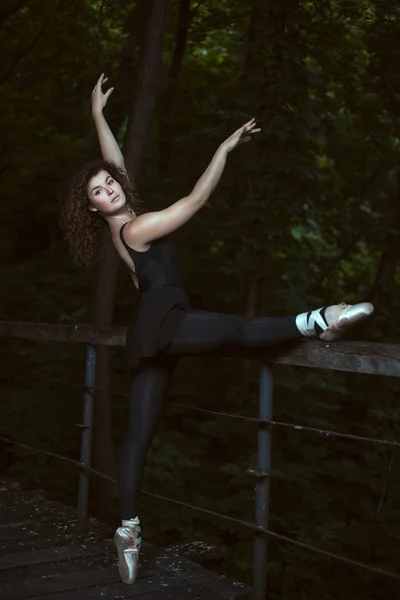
355 357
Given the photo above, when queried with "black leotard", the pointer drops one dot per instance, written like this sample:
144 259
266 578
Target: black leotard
162 300
165 325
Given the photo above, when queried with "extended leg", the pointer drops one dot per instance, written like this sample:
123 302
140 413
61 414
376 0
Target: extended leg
201 331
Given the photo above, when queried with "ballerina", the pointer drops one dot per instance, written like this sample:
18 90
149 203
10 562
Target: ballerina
165 326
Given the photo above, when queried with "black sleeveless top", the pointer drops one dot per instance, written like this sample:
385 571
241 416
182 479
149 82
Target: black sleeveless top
162 300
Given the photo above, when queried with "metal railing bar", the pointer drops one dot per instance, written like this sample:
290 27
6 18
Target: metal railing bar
245 524
324 432
283 538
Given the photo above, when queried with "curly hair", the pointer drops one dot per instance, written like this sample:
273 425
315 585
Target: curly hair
83 228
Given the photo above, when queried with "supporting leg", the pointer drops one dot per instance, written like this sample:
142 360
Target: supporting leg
149 386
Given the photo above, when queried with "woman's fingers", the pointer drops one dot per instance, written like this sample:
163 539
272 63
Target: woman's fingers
249 130
101 80
250 126
108 93
99 84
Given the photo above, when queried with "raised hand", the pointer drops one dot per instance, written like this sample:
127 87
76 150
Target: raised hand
241 135
99 99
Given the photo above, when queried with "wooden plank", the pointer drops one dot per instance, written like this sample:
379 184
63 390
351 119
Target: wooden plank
52 533
118 590
30 521
21 515
88 573
39 528
9 500
56 571
154 558
49 332
353 357
218 590
57 558
49 584
61 538
169 585
23 523
358 357
151 562
35 505
18 521
25 545
17 506
57 553
177 591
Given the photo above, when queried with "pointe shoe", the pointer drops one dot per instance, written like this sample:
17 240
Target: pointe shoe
351 315
128 543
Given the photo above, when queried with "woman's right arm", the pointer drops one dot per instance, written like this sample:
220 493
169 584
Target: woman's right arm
153 225
110 150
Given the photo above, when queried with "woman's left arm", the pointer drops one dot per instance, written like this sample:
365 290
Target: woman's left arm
108 144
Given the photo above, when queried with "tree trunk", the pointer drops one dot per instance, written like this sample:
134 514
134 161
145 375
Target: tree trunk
382 287
252 309
102 314
253 300
264 16
103 303
149 66
126 78
166 129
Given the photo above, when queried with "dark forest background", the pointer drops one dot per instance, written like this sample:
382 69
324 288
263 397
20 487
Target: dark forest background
308 214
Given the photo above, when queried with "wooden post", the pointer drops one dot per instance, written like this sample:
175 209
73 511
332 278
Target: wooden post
87 431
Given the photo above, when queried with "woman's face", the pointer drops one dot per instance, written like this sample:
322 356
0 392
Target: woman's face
105 194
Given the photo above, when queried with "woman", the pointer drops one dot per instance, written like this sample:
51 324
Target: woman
165 327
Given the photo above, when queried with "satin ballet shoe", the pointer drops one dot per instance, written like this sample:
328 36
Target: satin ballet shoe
314 323
352 314
128 542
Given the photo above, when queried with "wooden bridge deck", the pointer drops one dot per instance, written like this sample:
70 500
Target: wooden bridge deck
46 554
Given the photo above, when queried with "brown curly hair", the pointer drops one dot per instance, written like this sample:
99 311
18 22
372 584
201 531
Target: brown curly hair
83 228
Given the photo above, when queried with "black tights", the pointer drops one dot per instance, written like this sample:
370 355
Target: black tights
198 333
